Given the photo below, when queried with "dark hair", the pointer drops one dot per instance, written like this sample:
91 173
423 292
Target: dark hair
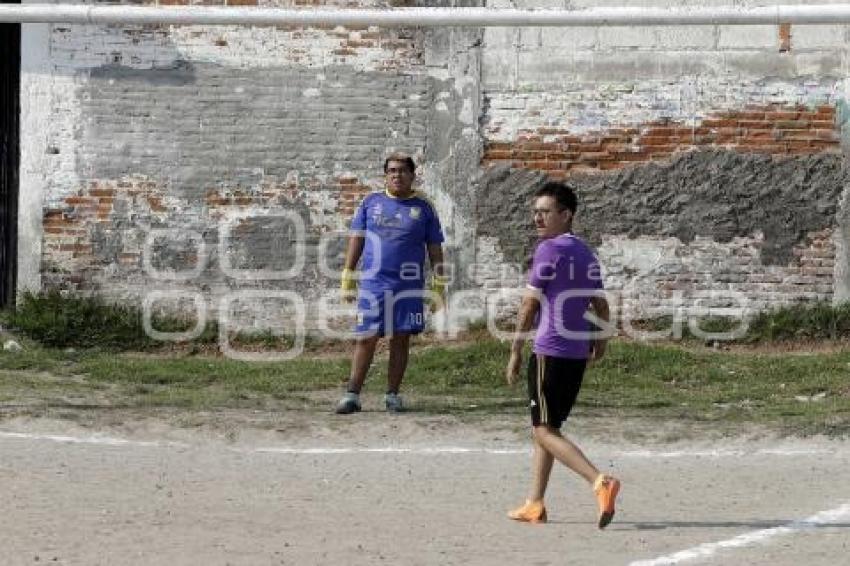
563 195
401 158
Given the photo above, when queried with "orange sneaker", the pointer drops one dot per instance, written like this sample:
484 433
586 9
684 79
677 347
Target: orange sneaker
606 489
531 512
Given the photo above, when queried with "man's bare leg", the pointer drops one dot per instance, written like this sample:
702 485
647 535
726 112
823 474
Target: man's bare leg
563 450
542 468
534 510
364 352
399 354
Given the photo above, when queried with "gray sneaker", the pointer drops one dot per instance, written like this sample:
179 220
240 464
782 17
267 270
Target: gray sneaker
350 403
393 403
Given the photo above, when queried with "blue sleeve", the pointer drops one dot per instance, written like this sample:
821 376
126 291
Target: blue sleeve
435 231
358 221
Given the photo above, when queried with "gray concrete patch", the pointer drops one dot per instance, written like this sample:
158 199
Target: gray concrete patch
715 194
198 126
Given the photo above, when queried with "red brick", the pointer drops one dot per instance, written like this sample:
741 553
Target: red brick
665 131
76 248
661 155
79 200
57 221
777 115
156 204
595 156
497 155
784 37
752 113
536 146
499 146
541 165
792 124
764 135
567 140
719 123
551 131
634 156
824 144
755 124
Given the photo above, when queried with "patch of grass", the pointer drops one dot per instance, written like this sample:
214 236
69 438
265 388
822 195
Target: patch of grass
34 358
804 321
62 321
794 392
819 321
798 392
57 321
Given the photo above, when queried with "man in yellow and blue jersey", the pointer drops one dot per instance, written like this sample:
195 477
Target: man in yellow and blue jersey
391 234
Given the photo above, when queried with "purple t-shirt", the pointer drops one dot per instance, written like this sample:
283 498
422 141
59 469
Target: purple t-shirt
567 273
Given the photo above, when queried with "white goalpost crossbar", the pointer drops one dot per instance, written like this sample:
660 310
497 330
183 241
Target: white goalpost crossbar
423 17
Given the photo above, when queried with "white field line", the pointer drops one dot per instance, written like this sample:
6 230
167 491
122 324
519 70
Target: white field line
708 550
425 450
93 439
633 454
724 453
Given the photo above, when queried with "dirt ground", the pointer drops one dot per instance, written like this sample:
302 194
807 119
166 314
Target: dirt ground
372 488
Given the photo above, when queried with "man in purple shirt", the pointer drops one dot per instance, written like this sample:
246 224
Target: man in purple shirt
563 282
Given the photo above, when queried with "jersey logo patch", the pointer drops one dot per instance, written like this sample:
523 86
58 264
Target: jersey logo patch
415 212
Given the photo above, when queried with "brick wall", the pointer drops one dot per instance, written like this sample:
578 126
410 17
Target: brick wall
130 131
646 123
774 130
160 129
199 164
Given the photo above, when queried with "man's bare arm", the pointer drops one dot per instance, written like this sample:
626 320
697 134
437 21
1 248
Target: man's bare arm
528 309
356 242
600 308
525 319
435 256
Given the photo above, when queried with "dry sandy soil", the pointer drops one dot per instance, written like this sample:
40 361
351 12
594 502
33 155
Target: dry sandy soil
308 488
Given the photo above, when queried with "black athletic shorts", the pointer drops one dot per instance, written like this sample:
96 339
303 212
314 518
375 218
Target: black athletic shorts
553 386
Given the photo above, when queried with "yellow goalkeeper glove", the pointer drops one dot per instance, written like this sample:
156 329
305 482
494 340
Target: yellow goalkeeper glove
437 297
348 285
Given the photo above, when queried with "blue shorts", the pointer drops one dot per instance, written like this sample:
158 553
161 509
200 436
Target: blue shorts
386 313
